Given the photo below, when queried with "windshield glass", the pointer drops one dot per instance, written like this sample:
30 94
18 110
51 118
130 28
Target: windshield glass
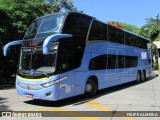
33 62
45 26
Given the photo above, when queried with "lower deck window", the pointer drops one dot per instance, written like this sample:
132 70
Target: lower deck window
110 61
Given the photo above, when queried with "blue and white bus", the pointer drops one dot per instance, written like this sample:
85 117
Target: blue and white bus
68 54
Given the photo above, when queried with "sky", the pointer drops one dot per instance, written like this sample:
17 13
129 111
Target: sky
134 12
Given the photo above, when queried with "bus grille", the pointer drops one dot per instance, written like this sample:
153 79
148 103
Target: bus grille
30 87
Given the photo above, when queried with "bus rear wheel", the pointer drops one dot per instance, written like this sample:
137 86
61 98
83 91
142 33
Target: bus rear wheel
143 75
90 88
139 77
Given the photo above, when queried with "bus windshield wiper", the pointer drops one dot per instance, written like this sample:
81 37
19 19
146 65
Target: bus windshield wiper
44 73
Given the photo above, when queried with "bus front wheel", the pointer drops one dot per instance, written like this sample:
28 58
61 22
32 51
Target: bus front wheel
90 88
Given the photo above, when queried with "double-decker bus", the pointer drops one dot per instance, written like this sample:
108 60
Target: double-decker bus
68 54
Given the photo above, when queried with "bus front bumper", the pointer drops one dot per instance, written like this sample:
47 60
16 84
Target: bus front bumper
37 93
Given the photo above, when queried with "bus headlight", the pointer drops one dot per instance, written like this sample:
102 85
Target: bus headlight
54 82
50 83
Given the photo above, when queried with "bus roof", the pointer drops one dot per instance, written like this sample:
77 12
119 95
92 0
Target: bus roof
66 13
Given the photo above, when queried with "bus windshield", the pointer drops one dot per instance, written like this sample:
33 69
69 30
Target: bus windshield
45 26
33 62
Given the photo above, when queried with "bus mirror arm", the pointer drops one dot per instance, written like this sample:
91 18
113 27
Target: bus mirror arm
5 49
47 42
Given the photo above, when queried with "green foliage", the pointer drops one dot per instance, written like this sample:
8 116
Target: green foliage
128 27
155 27
17 15
58 5
145 30
155 66
152 30
154 48
157 38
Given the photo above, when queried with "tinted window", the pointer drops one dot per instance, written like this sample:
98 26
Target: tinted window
115 35
77 24
98 63
112 62
129 39
131 61
121 61
135 41
98 31
69 60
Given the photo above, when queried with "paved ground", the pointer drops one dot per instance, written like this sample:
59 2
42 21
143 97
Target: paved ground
128 97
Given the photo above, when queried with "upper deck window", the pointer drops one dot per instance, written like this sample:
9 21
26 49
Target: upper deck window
115 35
98 31
77 24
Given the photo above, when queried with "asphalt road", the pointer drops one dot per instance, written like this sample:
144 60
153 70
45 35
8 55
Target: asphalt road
128 98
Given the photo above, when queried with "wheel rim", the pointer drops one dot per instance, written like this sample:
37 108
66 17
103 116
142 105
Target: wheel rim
88 87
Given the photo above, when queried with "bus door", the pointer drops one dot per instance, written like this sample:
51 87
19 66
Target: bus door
66 66
66 88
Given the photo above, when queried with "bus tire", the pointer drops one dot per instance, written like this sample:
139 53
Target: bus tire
139 77
90 88
143 75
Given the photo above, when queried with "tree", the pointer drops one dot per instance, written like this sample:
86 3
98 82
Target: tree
60 5
151 30
16 18
155 27
145 30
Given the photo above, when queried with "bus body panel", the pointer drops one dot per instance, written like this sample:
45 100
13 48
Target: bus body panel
66 86
111 77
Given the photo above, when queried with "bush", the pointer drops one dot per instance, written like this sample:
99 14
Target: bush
155 66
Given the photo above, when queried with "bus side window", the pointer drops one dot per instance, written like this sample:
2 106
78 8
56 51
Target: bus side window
92 65
98 63
115 35
111 62
98 31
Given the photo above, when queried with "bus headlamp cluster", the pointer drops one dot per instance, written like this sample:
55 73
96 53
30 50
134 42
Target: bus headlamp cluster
54 82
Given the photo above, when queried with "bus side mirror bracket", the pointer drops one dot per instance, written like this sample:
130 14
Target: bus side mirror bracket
5 49
47 42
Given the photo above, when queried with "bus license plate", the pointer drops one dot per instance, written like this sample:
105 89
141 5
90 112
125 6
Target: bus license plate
29 95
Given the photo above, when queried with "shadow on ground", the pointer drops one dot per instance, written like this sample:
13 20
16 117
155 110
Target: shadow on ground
4 85
77 100
4 107
7 83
